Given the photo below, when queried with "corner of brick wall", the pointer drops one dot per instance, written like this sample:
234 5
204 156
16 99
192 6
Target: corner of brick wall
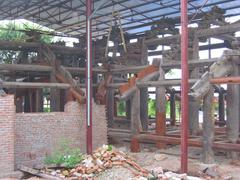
7 120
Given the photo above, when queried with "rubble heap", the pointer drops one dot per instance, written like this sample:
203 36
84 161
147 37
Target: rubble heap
102 159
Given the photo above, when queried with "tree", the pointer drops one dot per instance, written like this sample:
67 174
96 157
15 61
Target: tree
18 32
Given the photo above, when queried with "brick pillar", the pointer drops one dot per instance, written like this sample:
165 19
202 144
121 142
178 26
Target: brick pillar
7 114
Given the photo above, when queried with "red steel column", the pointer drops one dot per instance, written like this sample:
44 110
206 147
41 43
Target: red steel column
88 78
184 87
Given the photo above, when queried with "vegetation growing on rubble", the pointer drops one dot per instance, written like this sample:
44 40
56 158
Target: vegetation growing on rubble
65 156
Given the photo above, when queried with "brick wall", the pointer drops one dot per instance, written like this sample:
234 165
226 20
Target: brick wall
38 134
7 118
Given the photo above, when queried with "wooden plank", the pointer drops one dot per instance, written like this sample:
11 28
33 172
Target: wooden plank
37 173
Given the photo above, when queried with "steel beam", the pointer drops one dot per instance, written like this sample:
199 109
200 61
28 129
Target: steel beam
89 6
184 87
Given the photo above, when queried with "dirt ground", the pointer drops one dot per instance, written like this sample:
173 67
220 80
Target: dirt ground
169 160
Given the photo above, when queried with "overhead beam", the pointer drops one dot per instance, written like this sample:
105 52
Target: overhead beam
34 85
25 67
158 83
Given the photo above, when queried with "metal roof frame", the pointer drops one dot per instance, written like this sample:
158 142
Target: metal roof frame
68 16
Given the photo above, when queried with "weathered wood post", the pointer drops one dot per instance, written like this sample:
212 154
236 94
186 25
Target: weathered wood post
39 100
109 106
161 107
221 106
194 105
144 108
233 102
144 91
136 126
208 127
54 95
172 107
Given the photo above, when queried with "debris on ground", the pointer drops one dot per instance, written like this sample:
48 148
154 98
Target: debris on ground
102 159
109 163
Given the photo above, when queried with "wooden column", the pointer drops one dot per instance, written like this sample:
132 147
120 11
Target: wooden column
233 102
136 126
110 106
144 108
144 91
208 127
221 107
19 104
161 108
39 100
194 105
27 103
172 107
54 97
128 109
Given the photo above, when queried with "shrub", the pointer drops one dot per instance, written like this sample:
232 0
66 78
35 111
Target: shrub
65 156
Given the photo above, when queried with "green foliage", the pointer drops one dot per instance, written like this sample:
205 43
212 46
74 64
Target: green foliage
110 147
46 109
65 155
16 32
121 108
168 109
151 108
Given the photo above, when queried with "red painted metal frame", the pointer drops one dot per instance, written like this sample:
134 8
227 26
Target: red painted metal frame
184 87
89 6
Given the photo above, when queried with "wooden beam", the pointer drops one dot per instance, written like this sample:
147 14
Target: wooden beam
230 28
25 67
166 82
191 63
73 70
127 69
127 94
163 41
81 70
34 46
35 85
